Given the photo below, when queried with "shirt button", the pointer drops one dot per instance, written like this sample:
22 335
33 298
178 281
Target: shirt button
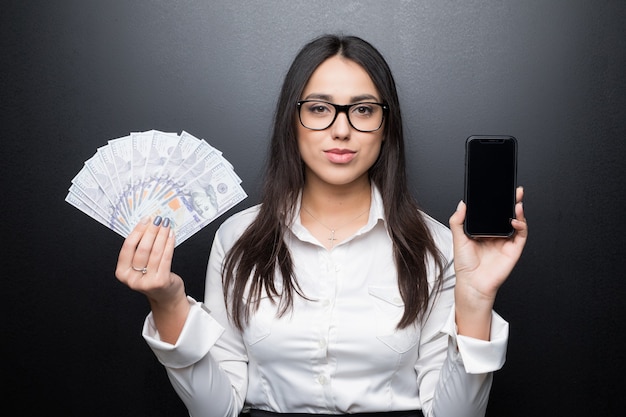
325 302
322 343
322 380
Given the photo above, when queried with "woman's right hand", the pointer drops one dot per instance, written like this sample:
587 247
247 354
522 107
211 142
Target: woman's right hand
144 265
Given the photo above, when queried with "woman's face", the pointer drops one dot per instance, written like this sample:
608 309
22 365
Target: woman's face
339 155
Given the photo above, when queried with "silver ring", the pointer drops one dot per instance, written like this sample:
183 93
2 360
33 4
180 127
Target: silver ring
143 270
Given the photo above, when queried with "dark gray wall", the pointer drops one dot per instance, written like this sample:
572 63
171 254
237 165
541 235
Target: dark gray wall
77 73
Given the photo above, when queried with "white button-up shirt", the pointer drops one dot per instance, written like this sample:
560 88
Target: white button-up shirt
339 351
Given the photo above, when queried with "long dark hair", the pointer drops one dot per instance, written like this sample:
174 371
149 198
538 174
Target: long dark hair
261 251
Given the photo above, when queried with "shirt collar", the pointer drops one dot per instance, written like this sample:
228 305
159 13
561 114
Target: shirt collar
376 214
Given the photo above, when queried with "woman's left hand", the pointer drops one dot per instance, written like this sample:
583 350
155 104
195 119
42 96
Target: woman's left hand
482 265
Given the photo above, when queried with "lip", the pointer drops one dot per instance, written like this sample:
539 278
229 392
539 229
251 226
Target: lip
340 156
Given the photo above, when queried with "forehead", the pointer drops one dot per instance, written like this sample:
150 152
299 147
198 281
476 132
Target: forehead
340 79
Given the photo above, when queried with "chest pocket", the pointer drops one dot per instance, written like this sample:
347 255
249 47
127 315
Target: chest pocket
390 306
260 325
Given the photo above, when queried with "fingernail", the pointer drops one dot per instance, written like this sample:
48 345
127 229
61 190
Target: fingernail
145 220
157 220
458 206
166 222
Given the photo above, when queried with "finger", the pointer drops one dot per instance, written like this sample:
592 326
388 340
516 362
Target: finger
519 212
519 194
168 253
457 219
458 216
160 250
144 248
519 223
127 252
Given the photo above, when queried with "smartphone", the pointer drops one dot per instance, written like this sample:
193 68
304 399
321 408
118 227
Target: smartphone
490 183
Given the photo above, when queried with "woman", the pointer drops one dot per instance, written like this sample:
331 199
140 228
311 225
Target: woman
336 295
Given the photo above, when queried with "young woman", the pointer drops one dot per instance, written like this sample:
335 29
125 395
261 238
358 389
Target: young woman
335 295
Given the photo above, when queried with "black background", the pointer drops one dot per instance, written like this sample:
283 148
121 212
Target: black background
77 73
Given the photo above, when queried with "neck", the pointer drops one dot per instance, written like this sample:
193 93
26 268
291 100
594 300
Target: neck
332 214
335 203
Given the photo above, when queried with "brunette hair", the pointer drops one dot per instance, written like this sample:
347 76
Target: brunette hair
253 262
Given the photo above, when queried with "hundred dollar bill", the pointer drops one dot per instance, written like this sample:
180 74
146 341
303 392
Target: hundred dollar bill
78 199
157 171
122 151
141 144
101 174
199 153
202 157
108 160
85 186
213 192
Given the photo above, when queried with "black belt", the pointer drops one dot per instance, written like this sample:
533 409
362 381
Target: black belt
261 413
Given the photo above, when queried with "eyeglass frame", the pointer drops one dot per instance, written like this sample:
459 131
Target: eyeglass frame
342 108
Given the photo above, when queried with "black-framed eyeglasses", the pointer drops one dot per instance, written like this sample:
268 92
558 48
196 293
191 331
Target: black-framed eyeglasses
320 115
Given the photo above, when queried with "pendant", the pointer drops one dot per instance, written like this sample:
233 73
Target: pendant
332 238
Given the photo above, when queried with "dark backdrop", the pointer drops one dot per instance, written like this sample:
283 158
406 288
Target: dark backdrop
77 73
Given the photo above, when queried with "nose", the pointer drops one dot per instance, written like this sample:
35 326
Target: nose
341 127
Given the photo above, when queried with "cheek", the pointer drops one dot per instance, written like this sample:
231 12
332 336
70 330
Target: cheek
306 143
373 152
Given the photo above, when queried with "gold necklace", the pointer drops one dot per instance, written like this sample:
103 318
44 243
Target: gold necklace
333 229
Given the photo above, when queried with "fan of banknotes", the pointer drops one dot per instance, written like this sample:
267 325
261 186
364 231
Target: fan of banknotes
156 173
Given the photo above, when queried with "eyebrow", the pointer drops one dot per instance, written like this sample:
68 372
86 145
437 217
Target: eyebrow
354 99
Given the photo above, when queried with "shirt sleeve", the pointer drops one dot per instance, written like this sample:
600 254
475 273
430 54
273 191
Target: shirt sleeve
208 364
467 373
480 356
455 372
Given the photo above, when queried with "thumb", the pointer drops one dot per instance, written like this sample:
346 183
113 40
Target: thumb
459 238
457 218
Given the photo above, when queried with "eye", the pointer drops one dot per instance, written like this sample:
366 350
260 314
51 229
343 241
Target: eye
363 110
318 108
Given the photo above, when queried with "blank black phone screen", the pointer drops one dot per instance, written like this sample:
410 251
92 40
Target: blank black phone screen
490 181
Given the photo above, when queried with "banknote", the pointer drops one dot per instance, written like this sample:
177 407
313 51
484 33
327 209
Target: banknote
81 201
154 173
86 186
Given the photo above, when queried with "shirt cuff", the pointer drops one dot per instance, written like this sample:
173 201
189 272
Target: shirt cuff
199 334
480 356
